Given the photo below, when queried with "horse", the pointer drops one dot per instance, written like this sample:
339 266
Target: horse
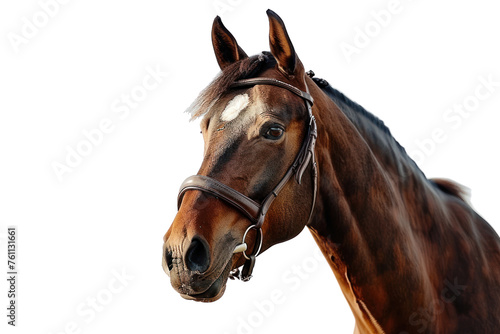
284 150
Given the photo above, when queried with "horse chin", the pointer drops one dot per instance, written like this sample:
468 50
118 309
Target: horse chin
211 295
215 291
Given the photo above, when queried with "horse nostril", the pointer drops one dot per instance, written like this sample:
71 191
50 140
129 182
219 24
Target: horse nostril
168 258
197 256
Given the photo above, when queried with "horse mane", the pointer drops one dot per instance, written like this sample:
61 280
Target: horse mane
447 186
340 99
452 188
337 95
244 69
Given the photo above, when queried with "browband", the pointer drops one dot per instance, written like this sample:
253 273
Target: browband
274 82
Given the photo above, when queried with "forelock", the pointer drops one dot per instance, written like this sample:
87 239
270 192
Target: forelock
243 69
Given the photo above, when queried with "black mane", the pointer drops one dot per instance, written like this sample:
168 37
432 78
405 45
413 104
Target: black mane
337 96
346 105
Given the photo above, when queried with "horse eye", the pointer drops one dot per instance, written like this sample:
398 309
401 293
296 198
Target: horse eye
274 133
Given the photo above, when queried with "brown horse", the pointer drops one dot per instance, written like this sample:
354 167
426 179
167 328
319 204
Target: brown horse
400 245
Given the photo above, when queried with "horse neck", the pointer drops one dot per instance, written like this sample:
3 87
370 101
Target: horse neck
365 175
361 222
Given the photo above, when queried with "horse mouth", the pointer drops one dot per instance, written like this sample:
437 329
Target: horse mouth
215 291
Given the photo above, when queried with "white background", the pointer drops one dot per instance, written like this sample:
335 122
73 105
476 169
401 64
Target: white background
110 213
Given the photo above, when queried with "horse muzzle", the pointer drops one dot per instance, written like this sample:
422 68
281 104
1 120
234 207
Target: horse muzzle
192 271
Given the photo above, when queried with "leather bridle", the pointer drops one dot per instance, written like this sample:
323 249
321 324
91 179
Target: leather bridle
252 210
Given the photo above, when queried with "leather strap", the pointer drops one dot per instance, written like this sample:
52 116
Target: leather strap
246 205
274 82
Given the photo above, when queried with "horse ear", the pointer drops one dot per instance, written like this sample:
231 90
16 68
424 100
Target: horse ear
281 46
227 50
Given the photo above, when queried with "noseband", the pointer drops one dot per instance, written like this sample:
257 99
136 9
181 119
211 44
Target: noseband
252 210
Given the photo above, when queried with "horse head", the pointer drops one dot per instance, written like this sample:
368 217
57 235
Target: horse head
256 185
